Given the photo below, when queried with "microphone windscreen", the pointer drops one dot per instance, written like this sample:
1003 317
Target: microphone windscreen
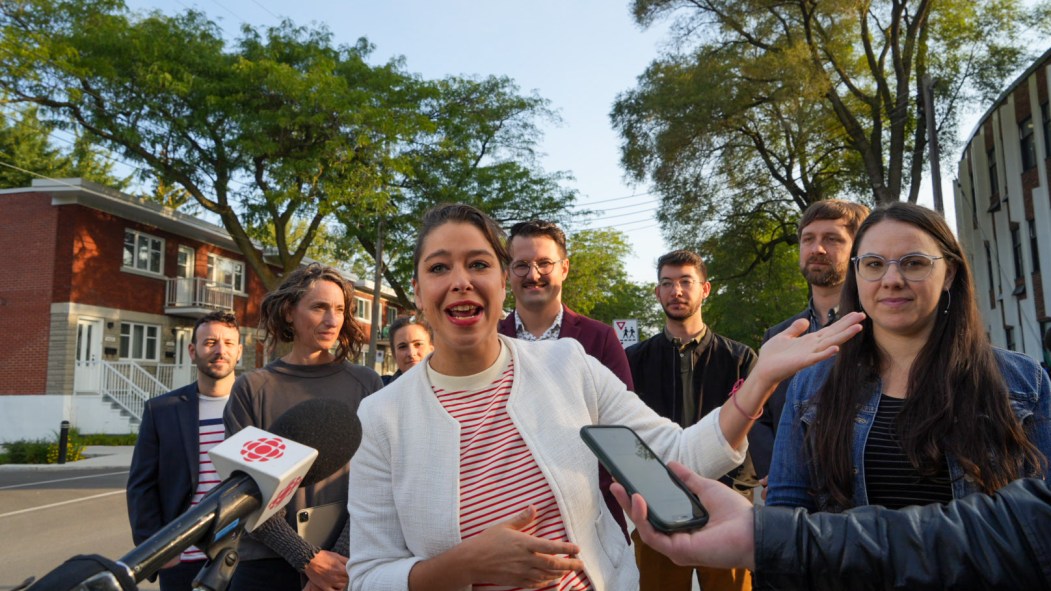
329 426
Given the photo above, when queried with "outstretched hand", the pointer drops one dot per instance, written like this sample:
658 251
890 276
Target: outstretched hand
793 349
727 541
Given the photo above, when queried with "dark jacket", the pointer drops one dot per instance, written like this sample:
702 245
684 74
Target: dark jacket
164 465
761 438
978 542
599 340
655 365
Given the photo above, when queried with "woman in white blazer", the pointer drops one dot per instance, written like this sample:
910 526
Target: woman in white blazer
426 512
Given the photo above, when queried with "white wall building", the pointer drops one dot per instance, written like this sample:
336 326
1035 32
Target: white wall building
1003 211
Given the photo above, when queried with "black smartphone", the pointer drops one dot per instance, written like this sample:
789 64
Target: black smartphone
672 506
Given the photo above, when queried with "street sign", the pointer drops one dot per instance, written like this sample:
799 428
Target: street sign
627 331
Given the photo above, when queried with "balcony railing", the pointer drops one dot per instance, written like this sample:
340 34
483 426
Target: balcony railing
198 292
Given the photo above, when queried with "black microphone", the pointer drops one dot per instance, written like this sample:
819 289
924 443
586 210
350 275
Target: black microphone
233 505
328 426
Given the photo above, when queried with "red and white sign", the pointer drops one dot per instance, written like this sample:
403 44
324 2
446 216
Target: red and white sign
277 465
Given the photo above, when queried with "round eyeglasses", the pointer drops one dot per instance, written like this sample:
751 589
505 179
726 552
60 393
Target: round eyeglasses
913 267
544 267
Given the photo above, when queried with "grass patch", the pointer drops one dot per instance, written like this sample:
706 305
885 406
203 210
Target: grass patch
45 451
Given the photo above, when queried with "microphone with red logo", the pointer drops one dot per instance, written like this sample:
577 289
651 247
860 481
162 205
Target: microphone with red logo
262 470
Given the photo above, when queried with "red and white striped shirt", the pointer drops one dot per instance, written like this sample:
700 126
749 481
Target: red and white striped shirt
498 475
209 433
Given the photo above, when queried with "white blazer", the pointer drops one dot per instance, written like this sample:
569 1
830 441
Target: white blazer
405 478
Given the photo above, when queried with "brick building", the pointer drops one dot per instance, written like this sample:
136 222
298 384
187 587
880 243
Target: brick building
1003 211
98 298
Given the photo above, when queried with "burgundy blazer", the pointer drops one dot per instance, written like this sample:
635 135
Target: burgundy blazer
599 340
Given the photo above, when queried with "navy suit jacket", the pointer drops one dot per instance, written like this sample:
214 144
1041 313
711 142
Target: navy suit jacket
599 340
164 466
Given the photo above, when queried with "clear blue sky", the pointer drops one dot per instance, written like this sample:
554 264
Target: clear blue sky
576 53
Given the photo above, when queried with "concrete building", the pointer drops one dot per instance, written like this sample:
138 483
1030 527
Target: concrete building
98 297
1003 211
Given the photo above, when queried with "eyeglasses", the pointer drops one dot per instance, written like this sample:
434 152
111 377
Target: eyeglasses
685 284
913 267
544 267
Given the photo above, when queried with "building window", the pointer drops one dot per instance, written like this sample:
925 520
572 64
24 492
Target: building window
1033 246
1009 336
1016 249
226 272
392 313
139 342
143 252
1028 143
184 265
994 179
363 309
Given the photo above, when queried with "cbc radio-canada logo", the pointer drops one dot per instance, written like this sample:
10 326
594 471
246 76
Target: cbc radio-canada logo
263 450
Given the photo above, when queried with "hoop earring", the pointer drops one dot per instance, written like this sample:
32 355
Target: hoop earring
948 302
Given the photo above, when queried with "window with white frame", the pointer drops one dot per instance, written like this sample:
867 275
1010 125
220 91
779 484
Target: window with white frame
184 264
362 309
226 272
392 314
143 252
139 342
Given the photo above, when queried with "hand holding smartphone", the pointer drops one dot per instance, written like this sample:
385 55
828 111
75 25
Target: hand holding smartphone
672 506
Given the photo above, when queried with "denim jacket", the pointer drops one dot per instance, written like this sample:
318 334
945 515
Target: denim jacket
792 474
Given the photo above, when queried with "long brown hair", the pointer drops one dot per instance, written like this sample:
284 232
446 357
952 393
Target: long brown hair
279 303
957 401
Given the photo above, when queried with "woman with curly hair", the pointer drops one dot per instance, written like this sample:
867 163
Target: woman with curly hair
310 312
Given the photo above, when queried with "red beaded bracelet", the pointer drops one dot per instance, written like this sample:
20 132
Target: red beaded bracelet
737 386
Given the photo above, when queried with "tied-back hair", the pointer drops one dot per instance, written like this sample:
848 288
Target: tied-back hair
279 303
957 400
461 213
405 321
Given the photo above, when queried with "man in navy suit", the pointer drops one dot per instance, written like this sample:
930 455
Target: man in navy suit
170 468
539 266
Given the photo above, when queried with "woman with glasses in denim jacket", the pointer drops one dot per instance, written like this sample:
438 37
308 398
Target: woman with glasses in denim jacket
920 408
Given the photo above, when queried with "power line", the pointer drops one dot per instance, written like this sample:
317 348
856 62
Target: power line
589 203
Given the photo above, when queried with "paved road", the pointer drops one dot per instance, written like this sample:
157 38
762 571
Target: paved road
47 516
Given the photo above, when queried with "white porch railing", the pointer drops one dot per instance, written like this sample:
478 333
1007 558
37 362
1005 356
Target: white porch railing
198 292
176 376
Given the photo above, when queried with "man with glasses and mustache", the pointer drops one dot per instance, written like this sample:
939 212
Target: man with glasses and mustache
170 468
826 235
539 266
684 373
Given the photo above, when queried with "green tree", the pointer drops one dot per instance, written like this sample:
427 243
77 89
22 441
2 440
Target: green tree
282 127
26 153
478 146
598 285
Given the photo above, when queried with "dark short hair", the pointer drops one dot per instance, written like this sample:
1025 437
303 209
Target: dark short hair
834 209
279 302
534 228
403 321
461 213
219 316
682 258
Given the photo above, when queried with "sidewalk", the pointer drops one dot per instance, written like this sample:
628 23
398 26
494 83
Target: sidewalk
95 456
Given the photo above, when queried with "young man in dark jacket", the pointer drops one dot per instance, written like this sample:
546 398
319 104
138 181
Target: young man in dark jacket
684 373
1001 541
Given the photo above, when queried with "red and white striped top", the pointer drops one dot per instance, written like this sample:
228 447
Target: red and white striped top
498 475
210 433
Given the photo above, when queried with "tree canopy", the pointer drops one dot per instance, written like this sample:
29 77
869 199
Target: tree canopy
275 132
27 153
759 109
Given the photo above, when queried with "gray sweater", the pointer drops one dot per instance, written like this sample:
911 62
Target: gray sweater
258 399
